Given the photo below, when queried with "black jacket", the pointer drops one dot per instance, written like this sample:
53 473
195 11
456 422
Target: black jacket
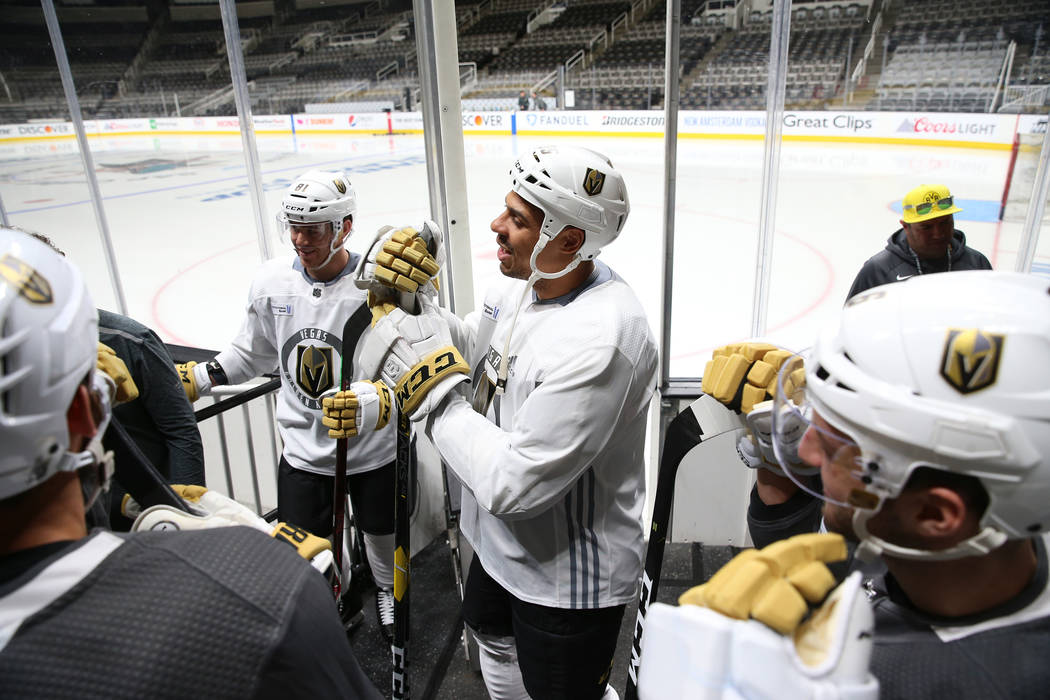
897 262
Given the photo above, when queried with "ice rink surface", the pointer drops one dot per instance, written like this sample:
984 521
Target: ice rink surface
186 242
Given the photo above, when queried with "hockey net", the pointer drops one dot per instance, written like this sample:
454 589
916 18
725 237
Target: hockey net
1020 178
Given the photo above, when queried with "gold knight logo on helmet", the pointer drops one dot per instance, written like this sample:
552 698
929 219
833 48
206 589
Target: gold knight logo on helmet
971 359
340 185
25 280
315 369
593 181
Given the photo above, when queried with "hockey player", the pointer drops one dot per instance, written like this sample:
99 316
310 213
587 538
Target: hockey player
928 415
926 242
160 421
295 315
155 413
550 454
220 612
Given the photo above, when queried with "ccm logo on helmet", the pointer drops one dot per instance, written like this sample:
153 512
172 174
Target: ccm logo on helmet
971 359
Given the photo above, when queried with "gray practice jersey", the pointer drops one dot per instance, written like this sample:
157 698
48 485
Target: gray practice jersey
1001 653
553 472
221 613
296 324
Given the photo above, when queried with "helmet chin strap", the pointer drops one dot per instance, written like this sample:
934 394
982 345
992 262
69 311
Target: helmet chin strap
94 464
536 276
872 547
333 249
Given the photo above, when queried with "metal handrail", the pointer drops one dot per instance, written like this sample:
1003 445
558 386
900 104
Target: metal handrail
238 396
241 397
386 70
533 19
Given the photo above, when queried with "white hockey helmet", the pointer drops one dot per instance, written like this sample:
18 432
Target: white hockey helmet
946 371
318 197
48 346
573 186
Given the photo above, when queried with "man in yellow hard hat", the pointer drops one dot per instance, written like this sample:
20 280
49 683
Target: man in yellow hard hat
926 242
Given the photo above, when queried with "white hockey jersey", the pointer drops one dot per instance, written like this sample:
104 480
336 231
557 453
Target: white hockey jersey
295 324
553 473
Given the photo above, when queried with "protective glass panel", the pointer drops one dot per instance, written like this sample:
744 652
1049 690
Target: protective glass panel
42 178
874 106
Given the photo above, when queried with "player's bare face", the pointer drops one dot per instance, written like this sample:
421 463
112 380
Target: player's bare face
312 243
517 229
930 239
835 455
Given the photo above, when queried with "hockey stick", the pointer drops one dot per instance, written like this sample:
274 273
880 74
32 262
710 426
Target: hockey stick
352 330
685 432
403 513
402 554
138 475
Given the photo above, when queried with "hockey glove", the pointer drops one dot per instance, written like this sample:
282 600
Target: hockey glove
694 652
380 303
743 374
403 259
116 370
194 390
216 510
414 355
773 584
756 447
362 408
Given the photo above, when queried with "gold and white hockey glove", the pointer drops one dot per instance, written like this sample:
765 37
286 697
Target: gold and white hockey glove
695 652
212 509
743 377
404 259
414 356
755 449
116 370
362 408
773 584
193 383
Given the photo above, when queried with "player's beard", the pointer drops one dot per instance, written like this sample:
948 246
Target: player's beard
511 265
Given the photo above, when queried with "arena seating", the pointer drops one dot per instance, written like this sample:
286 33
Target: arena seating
955 67
736 78
164 59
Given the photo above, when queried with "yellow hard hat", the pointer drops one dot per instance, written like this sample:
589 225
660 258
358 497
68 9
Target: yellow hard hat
927 202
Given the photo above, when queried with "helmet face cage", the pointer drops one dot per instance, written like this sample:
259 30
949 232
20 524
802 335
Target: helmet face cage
576 187
318 197
962 385
793 412
48 347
